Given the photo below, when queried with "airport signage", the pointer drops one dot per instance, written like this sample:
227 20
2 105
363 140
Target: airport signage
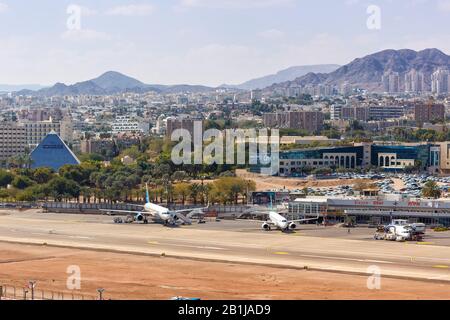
425 204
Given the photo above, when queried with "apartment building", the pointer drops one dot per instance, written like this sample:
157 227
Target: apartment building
311 121
36 131
13 141
428 113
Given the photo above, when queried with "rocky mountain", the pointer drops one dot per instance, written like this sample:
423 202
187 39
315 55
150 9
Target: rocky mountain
366 72
111 82
289 74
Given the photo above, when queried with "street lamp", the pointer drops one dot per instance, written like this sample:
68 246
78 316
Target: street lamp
32 285
100 293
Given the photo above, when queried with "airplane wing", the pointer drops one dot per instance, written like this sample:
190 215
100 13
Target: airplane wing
118 212
191 210
304 220
258 221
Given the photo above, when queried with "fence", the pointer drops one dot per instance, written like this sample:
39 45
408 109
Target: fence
96 208
15 293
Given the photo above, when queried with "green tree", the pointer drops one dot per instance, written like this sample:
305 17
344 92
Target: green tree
431 190
43 175
22 182
62 188
5 178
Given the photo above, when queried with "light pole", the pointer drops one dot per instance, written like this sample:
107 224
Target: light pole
32 285
100 293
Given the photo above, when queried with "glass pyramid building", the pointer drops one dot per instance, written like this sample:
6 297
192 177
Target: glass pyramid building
53 153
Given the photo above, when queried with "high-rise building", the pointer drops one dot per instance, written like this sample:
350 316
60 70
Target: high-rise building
391 82
67 129
38 130
13 140
440 83
414 82
428 112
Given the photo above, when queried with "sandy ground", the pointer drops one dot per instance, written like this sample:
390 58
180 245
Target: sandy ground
264 183
128 276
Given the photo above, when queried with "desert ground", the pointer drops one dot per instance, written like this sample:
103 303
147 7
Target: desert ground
264 183
126 276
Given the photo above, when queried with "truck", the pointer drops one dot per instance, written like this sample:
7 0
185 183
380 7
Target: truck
401 230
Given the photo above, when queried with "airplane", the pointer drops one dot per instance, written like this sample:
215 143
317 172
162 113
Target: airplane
157 213
277 221
281 223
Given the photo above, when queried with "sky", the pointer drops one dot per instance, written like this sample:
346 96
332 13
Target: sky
209 42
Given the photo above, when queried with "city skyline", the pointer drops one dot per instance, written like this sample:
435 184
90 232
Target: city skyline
227 41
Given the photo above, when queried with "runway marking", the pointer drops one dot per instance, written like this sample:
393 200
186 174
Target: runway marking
346 259
80 237
441 267
425 243
281 253
187 246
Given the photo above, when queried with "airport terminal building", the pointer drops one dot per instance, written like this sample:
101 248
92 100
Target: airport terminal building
434 158
381 210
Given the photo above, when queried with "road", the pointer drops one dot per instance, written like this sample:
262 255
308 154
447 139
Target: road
240 242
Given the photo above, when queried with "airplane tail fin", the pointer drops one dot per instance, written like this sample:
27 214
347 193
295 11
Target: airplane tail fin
147 194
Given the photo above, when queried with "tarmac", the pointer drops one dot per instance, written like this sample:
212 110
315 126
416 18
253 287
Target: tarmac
317 248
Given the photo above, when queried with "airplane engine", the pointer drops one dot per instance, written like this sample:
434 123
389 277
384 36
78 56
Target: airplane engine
139 218
266 227
292 226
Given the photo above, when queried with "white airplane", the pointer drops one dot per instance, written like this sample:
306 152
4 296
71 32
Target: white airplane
156 212
279 222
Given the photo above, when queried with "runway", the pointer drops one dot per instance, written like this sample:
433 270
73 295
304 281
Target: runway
234 241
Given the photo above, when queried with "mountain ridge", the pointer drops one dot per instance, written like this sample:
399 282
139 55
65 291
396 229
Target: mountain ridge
366 72
288 74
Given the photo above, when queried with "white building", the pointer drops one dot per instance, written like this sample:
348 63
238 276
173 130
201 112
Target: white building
124 124
414 82
440 81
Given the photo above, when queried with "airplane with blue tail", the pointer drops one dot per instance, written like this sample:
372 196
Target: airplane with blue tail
157 213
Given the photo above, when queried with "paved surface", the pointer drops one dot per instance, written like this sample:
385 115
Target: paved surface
331 249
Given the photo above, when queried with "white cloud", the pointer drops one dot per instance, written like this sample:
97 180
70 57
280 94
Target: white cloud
271 34
3 7
85 11
131 10
85 35
234 4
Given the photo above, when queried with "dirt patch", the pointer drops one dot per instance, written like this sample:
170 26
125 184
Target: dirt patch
126 276
264 183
